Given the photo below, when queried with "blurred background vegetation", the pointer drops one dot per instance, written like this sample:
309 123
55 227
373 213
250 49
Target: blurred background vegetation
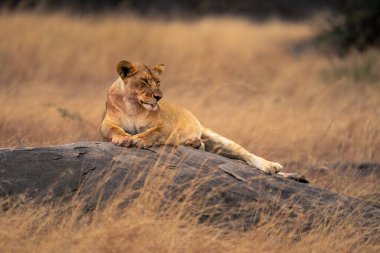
355 25
249 70
253 8
352 24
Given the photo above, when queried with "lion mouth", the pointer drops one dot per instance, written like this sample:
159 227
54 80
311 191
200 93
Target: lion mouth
149 106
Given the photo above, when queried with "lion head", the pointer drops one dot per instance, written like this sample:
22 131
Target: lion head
143 83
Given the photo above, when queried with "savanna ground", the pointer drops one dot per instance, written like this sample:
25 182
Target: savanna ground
261 84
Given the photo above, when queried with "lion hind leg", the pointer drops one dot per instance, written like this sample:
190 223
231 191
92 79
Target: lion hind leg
221 145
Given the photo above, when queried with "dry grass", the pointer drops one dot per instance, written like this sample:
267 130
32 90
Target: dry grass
251 82
141 228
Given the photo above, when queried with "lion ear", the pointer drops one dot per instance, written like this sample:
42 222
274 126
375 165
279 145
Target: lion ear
126 69
160 68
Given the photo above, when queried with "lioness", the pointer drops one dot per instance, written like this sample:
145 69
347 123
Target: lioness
136 116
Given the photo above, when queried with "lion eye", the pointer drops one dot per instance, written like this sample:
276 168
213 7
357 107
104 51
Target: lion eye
158 83
144 80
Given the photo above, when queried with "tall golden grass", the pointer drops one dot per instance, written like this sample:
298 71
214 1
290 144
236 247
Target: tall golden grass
260 84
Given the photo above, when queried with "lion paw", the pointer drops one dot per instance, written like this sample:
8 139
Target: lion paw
141 143
271 167
124 141
194 143
266 166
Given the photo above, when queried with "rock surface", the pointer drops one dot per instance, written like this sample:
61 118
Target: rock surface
215 189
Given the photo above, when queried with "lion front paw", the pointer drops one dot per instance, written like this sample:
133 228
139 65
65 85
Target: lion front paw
141 142
124 141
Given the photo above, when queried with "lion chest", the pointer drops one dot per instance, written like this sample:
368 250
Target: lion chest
135 125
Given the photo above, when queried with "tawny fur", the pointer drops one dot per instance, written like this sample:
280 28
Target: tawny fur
135 116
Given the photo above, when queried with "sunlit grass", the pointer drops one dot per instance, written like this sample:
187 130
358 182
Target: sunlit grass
242 79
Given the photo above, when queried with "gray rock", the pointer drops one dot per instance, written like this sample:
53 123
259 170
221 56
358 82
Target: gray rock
215 189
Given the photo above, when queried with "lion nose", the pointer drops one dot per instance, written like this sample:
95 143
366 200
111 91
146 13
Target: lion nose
157 97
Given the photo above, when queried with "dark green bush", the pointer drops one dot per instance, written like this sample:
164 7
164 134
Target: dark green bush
354 25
